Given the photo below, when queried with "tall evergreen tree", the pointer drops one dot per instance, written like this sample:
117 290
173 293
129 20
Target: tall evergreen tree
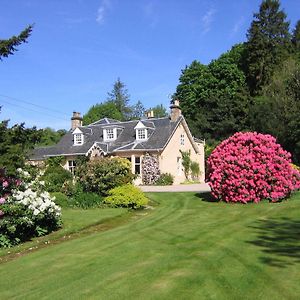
268 43
8 47
296 36
120 97
138 111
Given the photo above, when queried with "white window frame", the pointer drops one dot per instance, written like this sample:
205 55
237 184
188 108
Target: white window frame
109 134
78 139
141 134
72 166
137 165
182 137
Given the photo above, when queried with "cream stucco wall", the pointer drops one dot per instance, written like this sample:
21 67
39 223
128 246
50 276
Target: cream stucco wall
170 159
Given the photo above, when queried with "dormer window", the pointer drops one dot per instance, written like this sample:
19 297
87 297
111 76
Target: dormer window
78 137
141 134
109 134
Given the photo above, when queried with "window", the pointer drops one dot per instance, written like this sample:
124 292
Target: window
141 134
110 134
182 139
78 139
137 166
179 166
72 166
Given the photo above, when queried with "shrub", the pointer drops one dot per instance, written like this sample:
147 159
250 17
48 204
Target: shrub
186 162
87 200
251 167
103 174
27 214
150 169
165 179
195 170
126 196
60 199
55 176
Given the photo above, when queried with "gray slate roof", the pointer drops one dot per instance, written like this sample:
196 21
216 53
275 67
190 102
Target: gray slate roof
159 132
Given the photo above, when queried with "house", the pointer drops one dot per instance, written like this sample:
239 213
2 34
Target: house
163 137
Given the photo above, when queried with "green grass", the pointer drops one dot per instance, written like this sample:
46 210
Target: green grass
75 222
185 248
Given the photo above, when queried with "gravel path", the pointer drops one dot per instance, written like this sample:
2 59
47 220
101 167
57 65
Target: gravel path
201 188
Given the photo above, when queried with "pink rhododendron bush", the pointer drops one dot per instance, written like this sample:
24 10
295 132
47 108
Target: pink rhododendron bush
249 167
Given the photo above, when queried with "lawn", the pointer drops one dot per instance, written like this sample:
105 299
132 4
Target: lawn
185 248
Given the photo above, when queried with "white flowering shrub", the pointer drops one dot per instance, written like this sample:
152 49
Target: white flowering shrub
28 211
150 169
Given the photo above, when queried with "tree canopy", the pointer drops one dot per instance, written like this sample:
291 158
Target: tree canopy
99 111
254 86
9 46
268 43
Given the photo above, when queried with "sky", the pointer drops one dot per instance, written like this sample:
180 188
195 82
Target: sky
79 48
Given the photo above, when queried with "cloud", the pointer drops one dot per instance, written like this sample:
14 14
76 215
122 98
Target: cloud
150 11
207 20
101 12
237 26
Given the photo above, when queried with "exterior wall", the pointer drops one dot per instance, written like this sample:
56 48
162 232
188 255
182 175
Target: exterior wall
170 160
132 156
66 162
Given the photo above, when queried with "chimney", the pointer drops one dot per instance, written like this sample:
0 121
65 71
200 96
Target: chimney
150 114
76 120
175 110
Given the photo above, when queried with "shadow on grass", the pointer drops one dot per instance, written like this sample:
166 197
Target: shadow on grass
279 241
207 197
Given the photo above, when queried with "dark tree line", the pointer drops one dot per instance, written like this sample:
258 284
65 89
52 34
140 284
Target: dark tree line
254 86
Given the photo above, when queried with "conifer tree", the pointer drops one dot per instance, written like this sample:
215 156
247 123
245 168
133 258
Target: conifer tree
268 44
120 97
8 47
296 36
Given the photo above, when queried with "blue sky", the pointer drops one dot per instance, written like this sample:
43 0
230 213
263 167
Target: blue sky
78 49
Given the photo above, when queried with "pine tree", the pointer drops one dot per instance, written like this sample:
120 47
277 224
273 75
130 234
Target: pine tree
120 97
268 44
296 36
8 47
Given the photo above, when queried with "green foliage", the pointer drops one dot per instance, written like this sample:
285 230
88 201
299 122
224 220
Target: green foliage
50 137
15 142
87 200
159 111
195 170
214 98
8 47
101 175
55 176
99 111
126 196
277 111
296 36
61 199
120 98
186 162
165 179
138 111
268 44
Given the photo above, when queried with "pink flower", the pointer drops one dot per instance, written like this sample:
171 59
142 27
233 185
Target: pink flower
5 184
2 200
251 167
